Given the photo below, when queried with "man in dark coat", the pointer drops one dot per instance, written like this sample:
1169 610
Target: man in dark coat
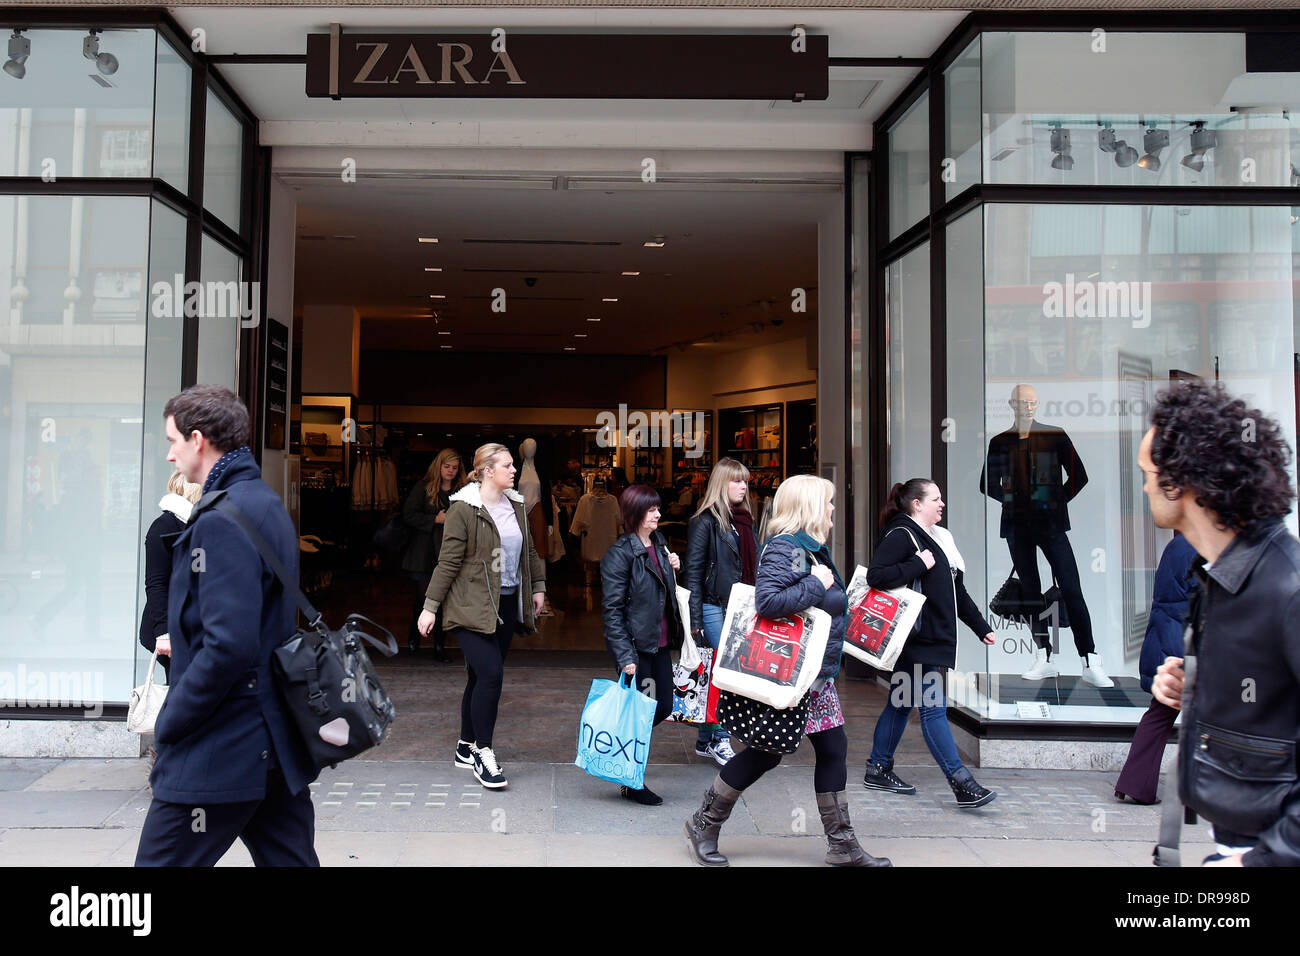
1217 470
1034 471
229 764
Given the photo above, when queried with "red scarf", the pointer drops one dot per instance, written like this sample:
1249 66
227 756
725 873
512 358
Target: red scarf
743 522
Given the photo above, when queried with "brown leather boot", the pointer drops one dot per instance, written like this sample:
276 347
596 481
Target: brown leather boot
702 827
844 848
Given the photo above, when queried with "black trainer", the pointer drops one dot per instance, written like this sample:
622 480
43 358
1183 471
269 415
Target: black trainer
645 796
486 770
464 755
884 778
968 792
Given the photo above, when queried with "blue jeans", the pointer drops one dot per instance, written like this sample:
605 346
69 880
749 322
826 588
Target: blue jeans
908 688
713 618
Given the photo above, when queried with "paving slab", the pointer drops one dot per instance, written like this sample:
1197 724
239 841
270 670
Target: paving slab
586 804
18 773
92 773
474 849
1039 853
74 808
65 846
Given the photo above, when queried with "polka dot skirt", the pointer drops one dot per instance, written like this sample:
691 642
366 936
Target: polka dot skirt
761 725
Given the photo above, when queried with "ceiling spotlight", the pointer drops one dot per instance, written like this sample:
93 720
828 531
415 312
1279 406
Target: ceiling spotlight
1061 148
1153 141
1203 140
106 63
656 243
20 48
1125 155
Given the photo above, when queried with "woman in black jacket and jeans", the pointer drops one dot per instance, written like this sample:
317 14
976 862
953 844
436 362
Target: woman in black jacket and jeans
425 513
795 572
721 551
912 547
641 619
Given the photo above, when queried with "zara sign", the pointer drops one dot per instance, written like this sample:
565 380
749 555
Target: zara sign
588 66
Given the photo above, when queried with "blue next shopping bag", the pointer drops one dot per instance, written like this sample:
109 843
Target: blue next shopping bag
614 734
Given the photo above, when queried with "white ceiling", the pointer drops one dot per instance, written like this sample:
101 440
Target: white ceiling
726 255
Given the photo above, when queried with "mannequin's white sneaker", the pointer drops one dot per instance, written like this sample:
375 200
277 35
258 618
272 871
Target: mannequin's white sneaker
1042 668
1094 673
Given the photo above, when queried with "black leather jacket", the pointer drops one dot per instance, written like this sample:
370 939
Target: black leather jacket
635 599
1241 705
712 565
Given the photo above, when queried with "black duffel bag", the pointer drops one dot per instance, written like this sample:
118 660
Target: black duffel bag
393 536
325 678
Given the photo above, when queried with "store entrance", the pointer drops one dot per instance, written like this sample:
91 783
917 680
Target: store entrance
448 315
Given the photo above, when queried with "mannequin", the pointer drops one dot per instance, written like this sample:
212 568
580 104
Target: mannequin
537 494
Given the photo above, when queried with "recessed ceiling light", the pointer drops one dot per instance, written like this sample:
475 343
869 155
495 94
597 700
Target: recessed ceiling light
593 320
427 239
609 300
446 346
656 243
570 348
579 335
432 269
437 297
631 273
444 333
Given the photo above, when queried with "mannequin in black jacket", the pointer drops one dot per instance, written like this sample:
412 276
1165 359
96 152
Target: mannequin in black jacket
1034 471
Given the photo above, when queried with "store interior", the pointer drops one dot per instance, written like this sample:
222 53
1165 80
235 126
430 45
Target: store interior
433 316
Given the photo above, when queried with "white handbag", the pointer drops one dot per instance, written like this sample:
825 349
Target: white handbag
775 669
146 702
879 621
690 656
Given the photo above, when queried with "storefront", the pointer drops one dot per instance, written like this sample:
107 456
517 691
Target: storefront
1067 219
1052 216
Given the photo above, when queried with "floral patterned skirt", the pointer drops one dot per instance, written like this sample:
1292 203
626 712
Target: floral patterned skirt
824 711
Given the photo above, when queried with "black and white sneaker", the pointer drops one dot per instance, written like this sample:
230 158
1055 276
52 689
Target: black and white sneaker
486 770
884 778
968 792
464 755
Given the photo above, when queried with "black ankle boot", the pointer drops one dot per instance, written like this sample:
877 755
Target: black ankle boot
645 796
703 826
844 849
968 792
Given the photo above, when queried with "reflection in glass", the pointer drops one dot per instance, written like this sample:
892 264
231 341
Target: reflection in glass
65 119
1097 308
72 342
909 167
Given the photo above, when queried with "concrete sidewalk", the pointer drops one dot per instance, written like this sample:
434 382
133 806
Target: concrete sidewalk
88 812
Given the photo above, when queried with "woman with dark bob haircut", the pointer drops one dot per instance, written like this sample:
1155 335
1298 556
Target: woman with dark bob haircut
641 620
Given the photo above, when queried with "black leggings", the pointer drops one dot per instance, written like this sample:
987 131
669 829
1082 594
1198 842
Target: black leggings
654 678
831 774
485 658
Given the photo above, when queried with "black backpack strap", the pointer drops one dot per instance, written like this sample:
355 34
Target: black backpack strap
220 501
